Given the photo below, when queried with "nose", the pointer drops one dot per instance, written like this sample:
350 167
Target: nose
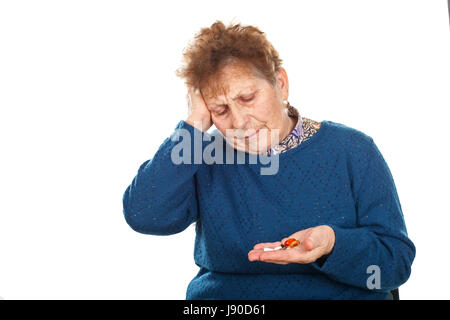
239 119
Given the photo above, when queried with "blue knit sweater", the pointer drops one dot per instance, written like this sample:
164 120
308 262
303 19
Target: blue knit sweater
338 178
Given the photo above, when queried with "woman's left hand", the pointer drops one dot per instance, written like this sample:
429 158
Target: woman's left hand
314 243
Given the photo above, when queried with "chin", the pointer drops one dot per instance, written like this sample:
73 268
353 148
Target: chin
249 147
256 150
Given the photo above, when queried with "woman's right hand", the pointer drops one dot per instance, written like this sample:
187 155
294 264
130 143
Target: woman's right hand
198 114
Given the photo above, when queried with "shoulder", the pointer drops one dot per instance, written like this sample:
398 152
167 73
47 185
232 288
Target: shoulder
355 147
348 137
349 143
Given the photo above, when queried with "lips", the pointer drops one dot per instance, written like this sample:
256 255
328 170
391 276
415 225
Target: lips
252 135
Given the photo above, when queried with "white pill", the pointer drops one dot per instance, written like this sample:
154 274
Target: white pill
270 249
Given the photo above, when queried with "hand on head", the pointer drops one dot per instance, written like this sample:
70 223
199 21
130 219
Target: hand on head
198 113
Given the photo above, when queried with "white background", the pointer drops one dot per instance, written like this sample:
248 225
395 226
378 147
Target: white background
88 92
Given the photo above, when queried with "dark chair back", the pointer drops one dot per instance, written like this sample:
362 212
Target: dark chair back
395 294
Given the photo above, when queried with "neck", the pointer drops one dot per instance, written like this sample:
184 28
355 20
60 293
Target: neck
290 125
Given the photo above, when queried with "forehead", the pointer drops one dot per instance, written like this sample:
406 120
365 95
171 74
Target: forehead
232 80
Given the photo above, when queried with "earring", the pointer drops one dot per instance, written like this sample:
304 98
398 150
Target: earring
291 111
287 105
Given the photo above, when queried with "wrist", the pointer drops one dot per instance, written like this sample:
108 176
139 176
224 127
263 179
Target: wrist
199 123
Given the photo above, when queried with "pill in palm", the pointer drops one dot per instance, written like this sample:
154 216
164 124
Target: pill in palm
290 243
273 249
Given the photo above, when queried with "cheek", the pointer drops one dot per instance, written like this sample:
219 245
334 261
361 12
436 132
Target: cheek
266 112
221 124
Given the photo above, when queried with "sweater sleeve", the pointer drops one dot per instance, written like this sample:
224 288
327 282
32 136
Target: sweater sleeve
162 199
379 243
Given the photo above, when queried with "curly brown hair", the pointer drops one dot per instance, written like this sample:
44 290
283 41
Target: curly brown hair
217 46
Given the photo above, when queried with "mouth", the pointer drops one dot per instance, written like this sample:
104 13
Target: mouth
252 135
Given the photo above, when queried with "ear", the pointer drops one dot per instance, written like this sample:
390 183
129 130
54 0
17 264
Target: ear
283 82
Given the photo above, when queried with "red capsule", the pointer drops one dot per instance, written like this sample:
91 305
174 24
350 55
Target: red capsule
291 243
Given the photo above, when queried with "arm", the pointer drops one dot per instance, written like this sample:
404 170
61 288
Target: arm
380 239
161 200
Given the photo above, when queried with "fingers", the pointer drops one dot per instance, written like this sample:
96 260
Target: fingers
197 101
267 245
189 98
279 256
193 92
277 262
297 235
298 254
310 249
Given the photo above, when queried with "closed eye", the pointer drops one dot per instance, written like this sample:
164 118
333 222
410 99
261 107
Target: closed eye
222 112
247 99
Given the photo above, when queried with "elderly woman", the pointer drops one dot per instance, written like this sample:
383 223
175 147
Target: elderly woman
332 192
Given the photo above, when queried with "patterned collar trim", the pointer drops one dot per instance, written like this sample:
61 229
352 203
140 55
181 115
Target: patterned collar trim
303 130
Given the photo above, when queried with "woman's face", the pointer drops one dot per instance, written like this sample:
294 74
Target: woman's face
249 111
